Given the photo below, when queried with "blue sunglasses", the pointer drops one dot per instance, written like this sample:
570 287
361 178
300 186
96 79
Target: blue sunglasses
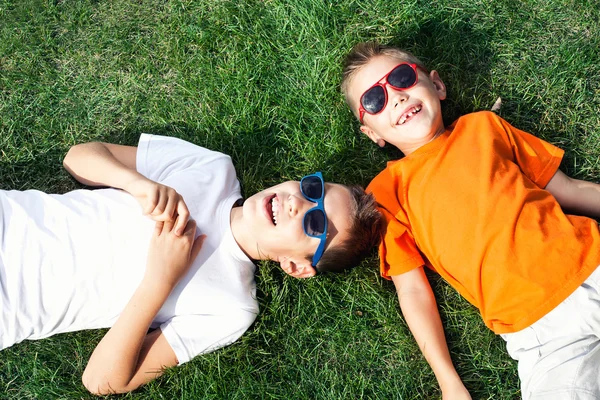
315 219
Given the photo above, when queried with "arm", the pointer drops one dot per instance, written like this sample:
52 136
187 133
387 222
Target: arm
580 197
420 311
128 356
102 164
105 164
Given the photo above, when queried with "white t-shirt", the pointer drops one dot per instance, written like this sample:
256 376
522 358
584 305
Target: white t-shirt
71 262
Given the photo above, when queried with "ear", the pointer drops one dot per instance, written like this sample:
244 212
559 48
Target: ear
372 135
440 87
301 269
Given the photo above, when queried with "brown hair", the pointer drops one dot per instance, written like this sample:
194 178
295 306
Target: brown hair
365 233
364 52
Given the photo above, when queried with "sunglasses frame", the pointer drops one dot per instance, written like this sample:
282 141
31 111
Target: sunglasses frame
363 111
320 206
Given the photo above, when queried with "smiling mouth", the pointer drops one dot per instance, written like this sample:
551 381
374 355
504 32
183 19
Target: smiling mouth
273 208
408 114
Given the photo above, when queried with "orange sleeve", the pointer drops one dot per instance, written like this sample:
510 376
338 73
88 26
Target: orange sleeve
537 159
398 252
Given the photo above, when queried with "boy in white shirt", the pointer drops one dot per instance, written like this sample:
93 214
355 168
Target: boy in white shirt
182 270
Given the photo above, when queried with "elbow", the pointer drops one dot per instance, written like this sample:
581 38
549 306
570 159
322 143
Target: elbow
92 384
100 385
73 154
68 157
78 151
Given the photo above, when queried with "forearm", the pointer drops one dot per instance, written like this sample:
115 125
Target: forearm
574 195
116 358
422 316
585 200
93 164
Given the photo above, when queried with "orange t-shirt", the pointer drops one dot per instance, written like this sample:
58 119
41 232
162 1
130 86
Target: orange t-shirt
470 205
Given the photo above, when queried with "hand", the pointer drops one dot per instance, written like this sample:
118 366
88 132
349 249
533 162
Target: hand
160 202
170 256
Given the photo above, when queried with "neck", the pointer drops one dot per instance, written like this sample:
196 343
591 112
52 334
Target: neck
246 243
413 147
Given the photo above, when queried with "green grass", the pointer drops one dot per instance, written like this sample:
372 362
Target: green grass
259 80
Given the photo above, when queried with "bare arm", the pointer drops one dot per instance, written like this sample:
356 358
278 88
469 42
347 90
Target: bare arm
106 164
578 196
420 311
127 356
102 164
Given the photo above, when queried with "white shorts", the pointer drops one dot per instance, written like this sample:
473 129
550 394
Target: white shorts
559 355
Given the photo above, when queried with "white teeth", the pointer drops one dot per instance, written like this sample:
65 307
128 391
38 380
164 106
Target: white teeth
275 209
408 115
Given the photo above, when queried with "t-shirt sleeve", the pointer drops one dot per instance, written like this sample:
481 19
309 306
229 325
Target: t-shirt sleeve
398 252
191 335
160 156
537 159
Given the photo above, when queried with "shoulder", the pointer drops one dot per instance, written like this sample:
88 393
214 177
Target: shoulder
168 155
384 181
481 124
389 189
168 145
478 117
484 114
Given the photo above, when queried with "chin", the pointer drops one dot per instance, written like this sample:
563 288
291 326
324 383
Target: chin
254 196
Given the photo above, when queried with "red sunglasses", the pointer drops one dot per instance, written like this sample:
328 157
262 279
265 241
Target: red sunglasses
402 77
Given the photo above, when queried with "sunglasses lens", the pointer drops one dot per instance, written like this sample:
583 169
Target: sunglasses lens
402 77
314 222
312 187
373 100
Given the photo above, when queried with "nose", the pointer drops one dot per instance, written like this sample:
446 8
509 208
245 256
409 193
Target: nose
298 204
396 97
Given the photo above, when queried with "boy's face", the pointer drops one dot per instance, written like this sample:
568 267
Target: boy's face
273 219
411 118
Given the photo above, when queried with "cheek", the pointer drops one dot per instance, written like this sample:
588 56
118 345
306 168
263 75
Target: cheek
298 235
249 210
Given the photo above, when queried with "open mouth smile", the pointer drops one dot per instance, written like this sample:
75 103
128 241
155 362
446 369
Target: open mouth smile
409 113
272 208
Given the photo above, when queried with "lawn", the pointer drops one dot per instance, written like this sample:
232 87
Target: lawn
259 80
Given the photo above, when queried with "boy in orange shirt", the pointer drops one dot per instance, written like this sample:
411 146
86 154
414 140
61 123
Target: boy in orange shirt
481 203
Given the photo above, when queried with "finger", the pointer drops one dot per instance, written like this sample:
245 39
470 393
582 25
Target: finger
184 216
160 217
169 212
158 228
163 217
150 203
169 225
197 246
160 206
190 228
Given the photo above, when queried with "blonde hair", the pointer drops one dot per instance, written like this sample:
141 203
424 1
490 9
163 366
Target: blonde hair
362 53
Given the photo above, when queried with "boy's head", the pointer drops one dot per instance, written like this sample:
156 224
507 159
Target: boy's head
395 98
286 223
364 233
